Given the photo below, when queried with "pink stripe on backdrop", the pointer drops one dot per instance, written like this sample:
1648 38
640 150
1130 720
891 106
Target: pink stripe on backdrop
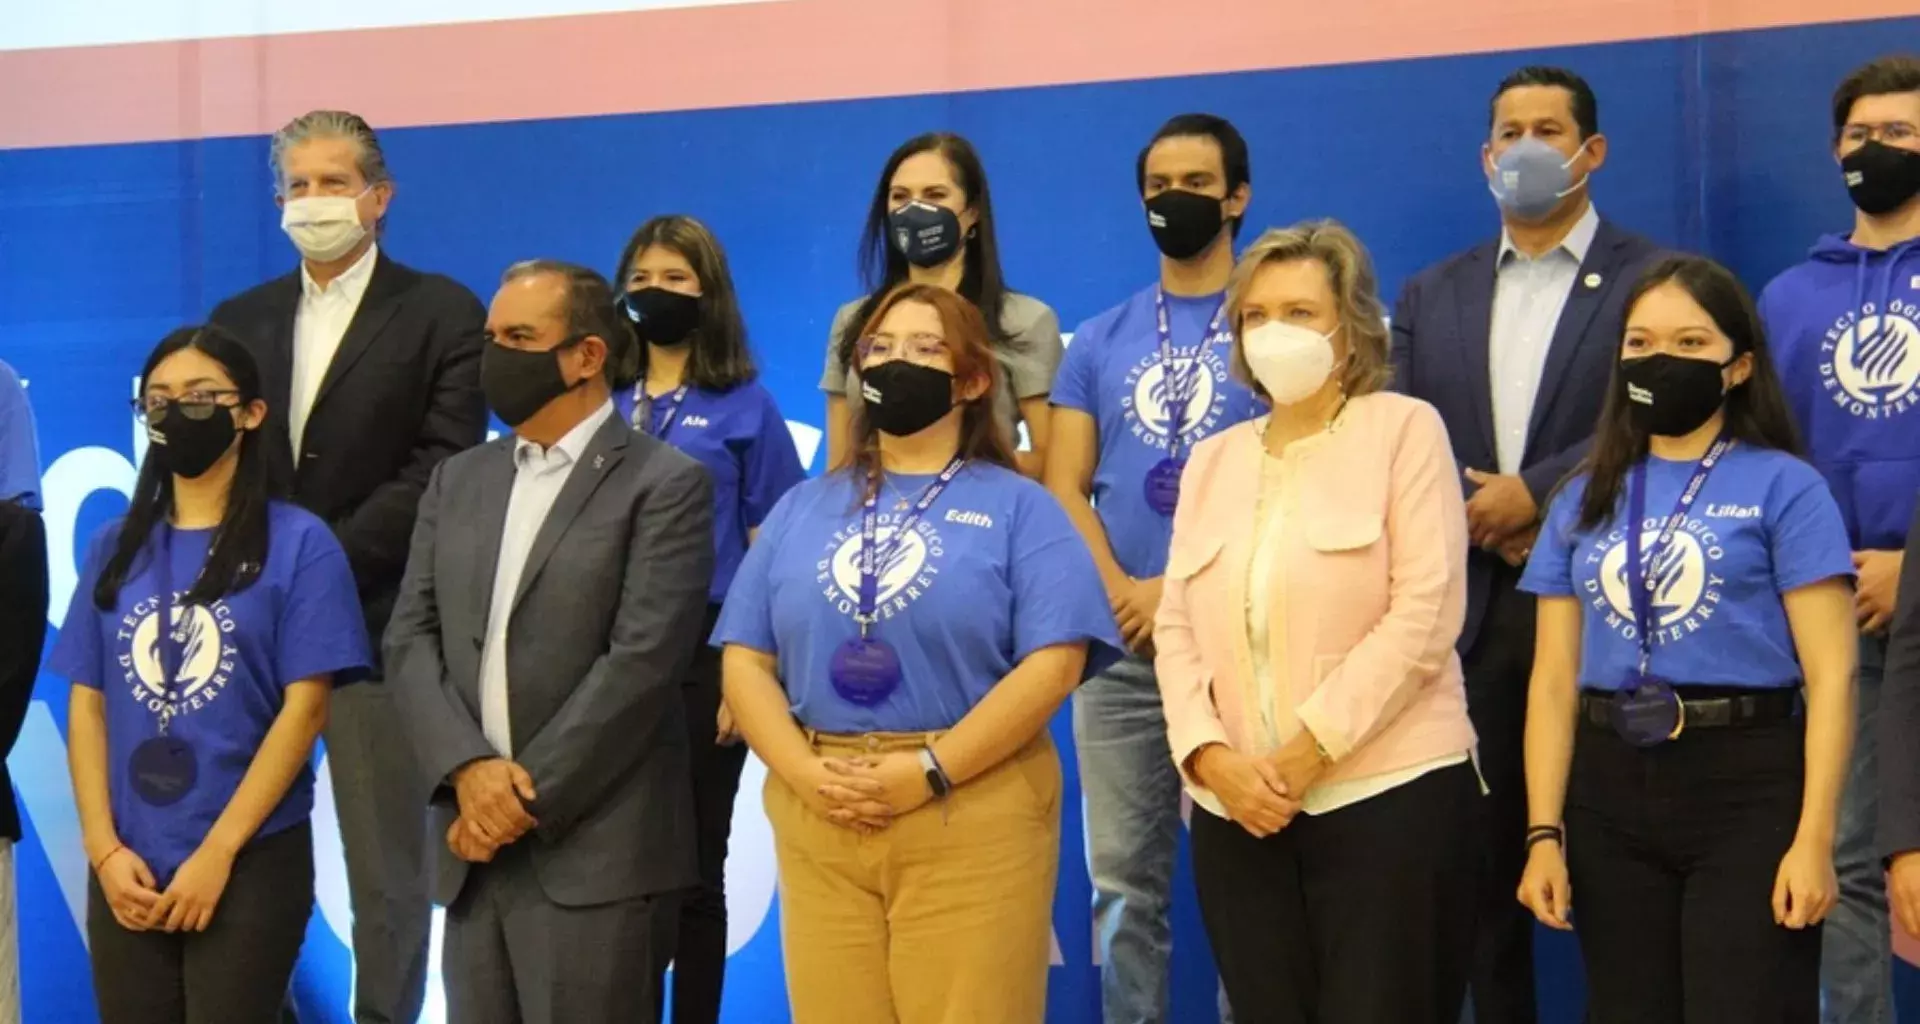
780 52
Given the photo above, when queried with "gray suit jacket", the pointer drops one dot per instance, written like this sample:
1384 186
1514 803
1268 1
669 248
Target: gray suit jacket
600 634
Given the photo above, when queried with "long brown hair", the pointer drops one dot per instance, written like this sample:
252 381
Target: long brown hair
1756 411
720 359
971 346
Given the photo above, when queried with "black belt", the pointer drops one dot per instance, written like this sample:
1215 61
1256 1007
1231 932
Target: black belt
1760 707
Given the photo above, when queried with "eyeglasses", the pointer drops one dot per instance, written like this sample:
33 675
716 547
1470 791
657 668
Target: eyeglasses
1891 131
195 405
914 348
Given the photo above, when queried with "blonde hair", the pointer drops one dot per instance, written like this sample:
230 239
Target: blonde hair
1368 367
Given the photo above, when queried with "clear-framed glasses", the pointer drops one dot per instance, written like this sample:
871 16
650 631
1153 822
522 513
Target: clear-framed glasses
196 405
914 348
1890 132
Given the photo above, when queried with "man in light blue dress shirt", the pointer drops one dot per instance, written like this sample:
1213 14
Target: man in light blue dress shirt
19 451
1513 341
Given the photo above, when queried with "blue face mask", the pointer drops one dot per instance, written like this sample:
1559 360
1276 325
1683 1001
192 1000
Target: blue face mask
1531 178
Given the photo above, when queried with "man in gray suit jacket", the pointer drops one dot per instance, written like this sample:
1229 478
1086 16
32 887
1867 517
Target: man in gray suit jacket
552 601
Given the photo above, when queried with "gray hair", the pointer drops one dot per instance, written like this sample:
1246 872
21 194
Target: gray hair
589 311
330 124
1369 367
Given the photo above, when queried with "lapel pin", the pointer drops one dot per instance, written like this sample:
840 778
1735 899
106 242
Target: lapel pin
1593 281
599 460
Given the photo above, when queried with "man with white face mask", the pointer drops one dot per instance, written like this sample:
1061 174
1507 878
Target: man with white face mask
1508 340
372 377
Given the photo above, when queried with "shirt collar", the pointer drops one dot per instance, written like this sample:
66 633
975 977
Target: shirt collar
350 285
1576 244
570 448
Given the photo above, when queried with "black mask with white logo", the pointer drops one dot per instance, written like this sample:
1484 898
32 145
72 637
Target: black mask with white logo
1672 396
1881 178
905 398
927 235
1184 223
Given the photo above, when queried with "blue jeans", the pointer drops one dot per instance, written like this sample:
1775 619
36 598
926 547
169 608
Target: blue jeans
1133 829
1856 965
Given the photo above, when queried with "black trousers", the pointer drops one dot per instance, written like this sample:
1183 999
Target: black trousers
700 955
1359 916
1672 854
1498 670
236 971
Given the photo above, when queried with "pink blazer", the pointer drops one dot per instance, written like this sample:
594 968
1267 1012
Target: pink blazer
1369 592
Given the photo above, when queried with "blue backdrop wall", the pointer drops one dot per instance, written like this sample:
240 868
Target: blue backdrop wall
1719 144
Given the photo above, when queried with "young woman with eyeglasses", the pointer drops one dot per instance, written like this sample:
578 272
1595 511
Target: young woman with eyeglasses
207 631
894 646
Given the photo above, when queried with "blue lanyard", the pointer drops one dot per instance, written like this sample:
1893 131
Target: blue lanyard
1179 387
869 549
1640 582
643 421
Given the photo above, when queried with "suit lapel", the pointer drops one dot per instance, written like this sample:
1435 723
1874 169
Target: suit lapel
1591 284
377 306
276 358
602 454
1476 328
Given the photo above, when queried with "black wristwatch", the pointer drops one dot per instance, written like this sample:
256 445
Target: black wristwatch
937 780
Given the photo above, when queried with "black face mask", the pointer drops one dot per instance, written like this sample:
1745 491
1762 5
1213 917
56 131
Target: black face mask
1881 178
188 446
518 384
904 398
661 317
927 235
1672 396
1184 223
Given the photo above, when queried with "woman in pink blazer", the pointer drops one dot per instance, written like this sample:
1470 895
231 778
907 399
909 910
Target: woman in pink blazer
1314 590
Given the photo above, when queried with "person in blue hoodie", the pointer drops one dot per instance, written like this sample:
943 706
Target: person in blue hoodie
1847 326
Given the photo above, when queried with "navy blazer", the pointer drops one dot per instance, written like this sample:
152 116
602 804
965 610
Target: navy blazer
1441 328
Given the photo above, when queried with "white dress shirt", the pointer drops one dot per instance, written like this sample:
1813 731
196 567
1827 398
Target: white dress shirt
538 476
1528 294
318 325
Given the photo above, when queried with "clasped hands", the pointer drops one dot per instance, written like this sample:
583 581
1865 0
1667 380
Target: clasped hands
1502 516
493 795
1261 793
864 793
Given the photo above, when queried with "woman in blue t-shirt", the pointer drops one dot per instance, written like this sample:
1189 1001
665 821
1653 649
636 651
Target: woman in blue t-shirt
894 647
190 745
695 387
1691 704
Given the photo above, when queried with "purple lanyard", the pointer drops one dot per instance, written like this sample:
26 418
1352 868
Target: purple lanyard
869 547
1179 387
643 422
170 652
1641 582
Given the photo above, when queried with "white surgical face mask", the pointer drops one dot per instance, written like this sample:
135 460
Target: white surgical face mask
1291 362
323 228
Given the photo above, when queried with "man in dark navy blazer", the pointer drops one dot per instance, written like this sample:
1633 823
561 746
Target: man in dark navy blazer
1513 342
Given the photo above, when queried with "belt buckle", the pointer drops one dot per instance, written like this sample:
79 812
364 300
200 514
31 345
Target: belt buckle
1680 721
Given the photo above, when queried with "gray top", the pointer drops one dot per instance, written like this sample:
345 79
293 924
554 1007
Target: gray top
1028 358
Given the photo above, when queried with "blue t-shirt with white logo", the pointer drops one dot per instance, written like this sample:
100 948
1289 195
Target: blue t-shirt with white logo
1764 524
300 618
1113 373
993 572
743 441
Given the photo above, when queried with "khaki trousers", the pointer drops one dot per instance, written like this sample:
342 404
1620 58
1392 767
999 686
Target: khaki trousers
943 917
